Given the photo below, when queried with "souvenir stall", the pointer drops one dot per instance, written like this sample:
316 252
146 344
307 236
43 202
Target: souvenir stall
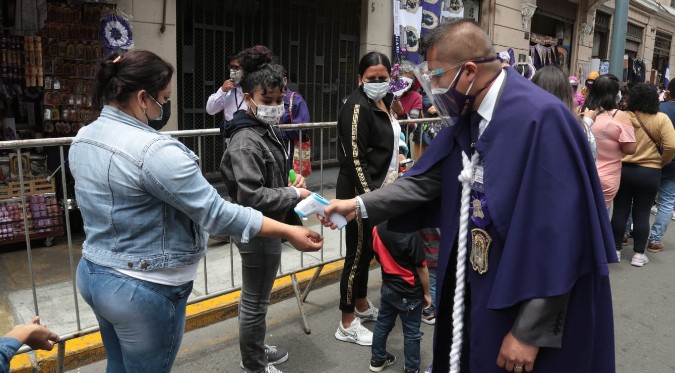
551 36
49 53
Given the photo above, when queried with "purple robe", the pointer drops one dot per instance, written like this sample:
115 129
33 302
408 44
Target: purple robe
550 230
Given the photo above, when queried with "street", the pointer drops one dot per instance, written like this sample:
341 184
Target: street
644 328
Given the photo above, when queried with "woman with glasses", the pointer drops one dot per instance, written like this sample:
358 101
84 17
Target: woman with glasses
368 137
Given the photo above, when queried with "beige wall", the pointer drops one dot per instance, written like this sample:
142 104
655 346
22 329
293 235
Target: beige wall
508 29
377 26
147 21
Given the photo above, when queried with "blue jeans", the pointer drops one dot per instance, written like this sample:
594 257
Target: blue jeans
410 313
260 260
142 323
432 286
665 203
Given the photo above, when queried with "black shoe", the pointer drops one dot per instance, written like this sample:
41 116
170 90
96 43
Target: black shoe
376 366
412 370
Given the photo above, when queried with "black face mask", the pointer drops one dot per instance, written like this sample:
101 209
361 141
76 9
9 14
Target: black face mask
164 115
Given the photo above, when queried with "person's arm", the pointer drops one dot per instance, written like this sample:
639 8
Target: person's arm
250 170
405 193
667 140
300 237
216 102
627 143
354 132
423 272
35 335
300 110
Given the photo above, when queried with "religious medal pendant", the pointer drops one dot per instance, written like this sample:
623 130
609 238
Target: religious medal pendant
477 208
480 249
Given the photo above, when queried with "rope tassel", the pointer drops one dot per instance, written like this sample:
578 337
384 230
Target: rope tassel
458 302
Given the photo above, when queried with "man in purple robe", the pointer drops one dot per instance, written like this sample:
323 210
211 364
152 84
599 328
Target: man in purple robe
537 295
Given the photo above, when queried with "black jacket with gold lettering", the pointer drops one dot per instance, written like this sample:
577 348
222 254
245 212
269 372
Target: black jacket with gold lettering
365 145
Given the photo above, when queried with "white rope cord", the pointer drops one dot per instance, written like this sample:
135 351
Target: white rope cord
458 306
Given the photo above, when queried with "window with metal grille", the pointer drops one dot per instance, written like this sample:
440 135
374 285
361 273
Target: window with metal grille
634 33
662 44
316 40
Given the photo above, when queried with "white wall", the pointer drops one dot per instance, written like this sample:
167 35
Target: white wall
377 26
147 21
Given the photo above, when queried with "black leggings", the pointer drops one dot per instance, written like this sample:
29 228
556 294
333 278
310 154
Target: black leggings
638 187
354 281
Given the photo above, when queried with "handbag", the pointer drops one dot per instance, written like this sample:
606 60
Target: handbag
302 149
659 146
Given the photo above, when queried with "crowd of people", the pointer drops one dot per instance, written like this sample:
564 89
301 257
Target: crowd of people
494 261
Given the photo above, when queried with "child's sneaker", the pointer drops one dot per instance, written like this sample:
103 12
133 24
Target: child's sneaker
429 316
355 333
639 260
376 366
368 315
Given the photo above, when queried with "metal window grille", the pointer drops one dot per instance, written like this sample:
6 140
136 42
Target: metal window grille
317 42
634 33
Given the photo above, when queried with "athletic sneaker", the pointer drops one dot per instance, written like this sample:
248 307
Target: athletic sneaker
275 355
654 210
369 315
429 316
272 369
639 259
356 333
378 365
618 256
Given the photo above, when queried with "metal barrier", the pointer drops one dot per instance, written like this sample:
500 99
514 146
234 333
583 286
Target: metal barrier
317 264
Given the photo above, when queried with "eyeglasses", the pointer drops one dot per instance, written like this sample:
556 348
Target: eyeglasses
428 75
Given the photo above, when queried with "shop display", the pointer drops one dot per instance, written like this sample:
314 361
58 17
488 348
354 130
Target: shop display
71 52
44 218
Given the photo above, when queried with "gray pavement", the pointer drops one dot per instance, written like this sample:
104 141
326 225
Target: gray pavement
644 300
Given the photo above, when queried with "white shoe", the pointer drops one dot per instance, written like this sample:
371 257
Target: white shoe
369 315
356 333
272 369
639 259
654 210
618 256
673 218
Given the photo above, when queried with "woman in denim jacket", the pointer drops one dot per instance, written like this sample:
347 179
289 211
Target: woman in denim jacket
147 210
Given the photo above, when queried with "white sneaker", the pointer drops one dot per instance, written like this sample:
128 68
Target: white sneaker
356 333
618 256
272 369
369 315
673 218
654 210
639 259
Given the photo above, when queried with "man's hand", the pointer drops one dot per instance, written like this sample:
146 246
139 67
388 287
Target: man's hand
344 207
516 356
227 85
304 239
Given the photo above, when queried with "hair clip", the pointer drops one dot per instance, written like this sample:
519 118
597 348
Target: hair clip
117 59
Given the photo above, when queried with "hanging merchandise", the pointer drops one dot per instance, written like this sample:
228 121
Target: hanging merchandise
407 28
116 32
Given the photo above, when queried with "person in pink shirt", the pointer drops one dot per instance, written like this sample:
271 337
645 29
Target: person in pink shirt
613 131
576 95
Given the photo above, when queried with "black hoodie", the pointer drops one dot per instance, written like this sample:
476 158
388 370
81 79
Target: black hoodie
254 167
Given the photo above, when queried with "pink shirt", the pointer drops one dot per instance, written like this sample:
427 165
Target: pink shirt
609 133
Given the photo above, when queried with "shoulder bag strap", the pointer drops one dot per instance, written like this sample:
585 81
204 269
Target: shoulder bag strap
290 107
646 131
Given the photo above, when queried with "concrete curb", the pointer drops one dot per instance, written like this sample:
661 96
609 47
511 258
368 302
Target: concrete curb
88 349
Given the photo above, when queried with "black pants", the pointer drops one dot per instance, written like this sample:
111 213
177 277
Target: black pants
638 187
354 281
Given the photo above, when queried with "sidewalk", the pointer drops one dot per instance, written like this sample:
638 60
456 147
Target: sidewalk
222 267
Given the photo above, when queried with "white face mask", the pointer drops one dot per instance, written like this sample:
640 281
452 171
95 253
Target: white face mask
376 90
235 75
268 114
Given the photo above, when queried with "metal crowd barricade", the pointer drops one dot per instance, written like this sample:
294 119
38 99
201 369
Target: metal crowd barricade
20 146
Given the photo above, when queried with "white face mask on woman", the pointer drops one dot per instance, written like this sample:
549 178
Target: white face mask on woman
376 90
268 114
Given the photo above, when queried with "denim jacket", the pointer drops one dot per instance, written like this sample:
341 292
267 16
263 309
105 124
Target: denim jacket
144 201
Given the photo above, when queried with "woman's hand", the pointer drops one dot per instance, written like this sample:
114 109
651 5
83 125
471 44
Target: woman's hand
397 108
298 183
588 113
432 110
303 239
304 193
344 207
35 335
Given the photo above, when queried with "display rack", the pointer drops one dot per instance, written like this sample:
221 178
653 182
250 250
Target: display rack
45 218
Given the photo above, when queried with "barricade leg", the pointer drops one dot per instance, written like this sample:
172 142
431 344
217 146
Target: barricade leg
298 298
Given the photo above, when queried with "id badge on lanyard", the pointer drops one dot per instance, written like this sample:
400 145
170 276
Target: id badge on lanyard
477 178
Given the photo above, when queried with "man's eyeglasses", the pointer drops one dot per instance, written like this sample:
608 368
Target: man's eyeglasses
431 74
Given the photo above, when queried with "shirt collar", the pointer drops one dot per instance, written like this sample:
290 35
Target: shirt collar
487 106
